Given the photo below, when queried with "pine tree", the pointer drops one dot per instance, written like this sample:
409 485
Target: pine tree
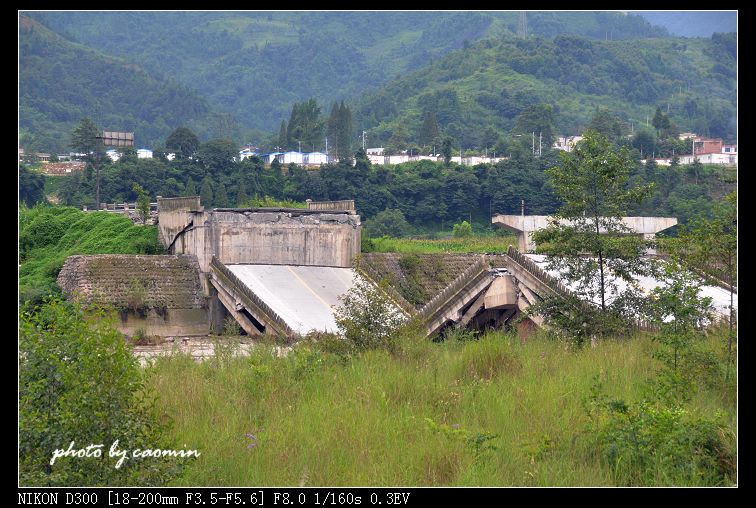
241 195
429 131
206 194
190 189
283 142
332 127
344 134
85 138
221 195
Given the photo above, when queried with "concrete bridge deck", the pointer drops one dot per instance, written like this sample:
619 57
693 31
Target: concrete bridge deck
525 225
305 297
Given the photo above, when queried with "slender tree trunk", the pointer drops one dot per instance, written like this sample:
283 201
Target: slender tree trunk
97 184
729 334
601 266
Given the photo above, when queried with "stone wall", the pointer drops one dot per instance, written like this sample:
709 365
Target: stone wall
160 294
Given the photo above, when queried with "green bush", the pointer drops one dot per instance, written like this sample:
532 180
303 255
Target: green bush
651 443
462 230
48 235
80 383
367 318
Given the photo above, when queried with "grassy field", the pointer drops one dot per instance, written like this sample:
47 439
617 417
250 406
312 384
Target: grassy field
498 411
475 244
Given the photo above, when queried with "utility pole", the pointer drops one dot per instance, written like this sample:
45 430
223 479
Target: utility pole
363 140
523 208
540 142
522 25
532 148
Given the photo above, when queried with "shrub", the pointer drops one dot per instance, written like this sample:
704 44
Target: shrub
652 443
366 316
462 230
80 383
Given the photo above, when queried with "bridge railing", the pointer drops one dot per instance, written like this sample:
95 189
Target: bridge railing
346 204
454 287
180 203
120 207
539 273
222 270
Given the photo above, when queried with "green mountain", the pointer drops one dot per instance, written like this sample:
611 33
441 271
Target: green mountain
492 81
693 23
255 65
61 82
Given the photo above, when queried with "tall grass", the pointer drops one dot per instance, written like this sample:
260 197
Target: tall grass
497 411
473 244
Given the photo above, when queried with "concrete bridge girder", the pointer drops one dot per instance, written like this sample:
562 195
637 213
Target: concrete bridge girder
524 226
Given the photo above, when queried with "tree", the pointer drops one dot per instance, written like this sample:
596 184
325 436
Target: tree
538 119
206 194
79 381
606 123
190 189
86 139
217 155
660 121
679 311
241 194
390 222
183 142
711 245
143 202
221 195
429 131
305 125
31 186
591 184
283 140
366 317
340 130
645 141
462 230
446 150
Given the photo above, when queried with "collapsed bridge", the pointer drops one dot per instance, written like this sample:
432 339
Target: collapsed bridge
281 271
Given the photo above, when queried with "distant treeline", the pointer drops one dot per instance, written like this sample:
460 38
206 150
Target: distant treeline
430 195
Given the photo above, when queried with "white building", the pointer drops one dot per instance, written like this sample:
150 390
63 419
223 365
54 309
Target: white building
377 159
144 153
270 157
711 158
374 151
315 159
292 158
659 162
397 159
246 153
566 143
114 155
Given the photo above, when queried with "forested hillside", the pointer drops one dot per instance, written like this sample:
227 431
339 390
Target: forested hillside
61 82
693 23
253 66
493 81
